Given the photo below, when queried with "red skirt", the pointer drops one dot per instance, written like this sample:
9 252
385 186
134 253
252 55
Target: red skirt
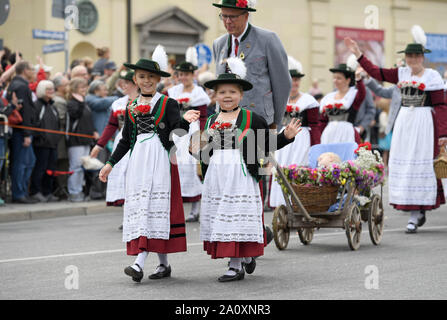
237 249
192 199
177 236
440 198
117 203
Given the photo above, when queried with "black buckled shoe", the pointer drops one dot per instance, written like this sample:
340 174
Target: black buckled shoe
136 275
411 230
238 276
192 218
162 274
421 221
250 267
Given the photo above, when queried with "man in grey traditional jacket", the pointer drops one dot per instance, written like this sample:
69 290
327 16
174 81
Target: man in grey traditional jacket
264 56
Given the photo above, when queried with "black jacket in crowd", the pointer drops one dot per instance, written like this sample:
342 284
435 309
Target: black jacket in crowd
47 118
79 120
5 110
171 121
253 148
21 88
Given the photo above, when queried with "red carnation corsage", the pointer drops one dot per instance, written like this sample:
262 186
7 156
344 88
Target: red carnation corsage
421 87
118 113
183 100
142 109
328 107
221 126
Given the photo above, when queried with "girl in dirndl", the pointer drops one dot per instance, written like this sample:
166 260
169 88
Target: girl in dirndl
339 108
304 107
117 178
190 97
419 129
153 209
231 218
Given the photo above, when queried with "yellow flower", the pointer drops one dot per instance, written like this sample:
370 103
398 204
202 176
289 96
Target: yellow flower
343 182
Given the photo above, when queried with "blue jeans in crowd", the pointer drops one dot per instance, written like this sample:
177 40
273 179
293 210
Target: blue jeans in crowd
23 160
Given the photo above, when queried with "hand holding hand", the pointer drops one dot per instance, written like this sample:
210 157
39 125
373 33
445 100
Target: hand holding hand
104 173
95 151
292 129
192 115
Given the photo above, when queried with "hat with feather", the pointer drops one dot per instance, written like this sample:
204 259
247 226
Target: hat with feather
420 41
237 73
158 64
295 68
348 68
191 61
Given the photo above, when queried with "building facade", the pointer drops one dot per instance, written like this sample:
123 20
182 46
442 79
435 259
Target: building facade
306 28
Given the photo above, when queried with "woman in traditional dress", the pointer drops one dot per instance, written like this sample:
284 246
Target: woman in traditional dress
190 97
116 180
231 219
153 209
304 107
340 107
420 128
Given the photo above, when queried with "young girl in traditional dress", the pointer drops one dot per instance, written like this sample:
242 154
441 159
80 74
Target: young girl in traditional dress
419 129
116 179
190 97
231 219
153 209
340 107
304 107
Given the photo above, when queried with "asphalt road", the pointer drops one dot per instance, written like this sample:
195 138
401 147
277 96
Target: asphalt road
83 257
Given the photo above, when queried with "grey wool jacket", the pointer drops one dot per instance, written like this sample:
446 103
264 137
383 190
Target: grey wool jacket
267 69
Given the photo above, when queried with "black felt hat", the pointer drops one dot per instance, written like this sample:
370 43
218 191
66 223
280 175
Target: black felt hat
229 78
148 65
415 48
127 75
235 4
186 67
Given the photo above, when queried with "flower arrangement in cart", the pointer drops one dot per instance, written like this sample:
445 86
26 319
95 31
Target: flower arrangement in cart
367 171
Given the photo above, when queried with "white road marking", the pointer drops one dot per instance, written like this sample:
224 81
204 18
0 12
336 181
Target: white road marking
316 235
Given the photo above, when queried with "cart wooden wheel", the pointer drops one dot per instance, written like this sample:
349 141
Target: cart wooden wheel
306 235
281 232
376 220
353 226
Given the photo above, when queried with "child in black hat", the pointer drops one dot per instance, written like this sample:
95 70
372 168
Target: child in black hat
231 219
153 209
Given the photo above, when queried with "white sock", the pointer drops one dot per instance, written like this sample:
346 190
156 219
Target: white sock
235 263
247 260
195 208
163 260
414 217
141 258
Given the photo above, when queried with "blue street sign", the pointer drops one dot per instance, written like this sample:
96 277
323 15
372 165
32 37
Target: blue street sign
437 43
57 47
48 35
204 54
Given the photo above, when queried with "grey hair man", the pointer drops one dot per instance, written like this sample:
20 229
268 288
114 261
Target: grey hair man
264 56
